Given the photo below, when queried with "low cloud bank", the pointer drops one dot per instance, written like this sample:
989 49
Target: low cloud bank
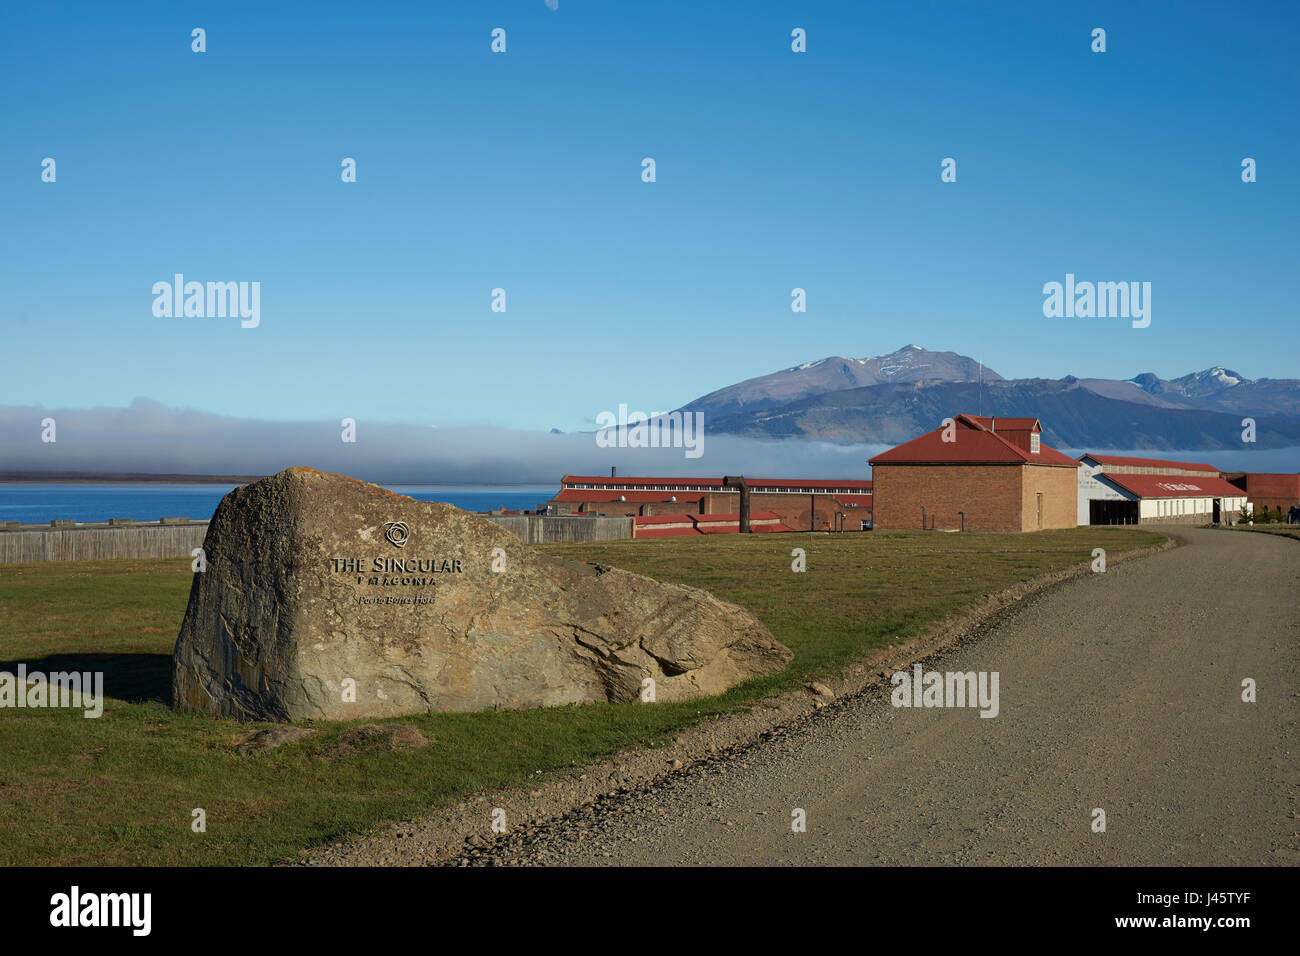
149 438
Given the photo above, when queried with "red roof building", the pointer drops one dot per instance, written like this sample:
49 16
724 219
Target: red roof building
976 473
1270 492
796 503
1114 489
756 485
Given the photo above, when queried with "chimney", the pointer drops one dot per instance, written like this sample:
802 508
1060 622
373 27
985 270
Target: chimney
613 472
738 481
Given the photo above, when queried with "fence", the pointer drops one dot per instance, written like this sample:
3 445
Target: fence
98 544
177 541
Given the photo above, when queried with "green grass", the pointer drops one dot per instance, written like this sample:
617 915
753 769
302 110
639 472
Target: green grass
1282 530
120 789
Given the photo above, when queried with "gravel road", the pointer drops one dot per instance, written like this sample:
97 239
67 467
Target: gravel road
1120 691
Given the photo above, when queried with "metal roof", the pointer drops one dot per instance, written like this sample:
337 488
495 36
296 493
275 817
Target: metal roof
1175 486
973 444
1151 463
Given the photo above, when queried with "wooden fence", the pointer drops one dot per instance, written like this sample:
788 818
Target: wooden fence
98 544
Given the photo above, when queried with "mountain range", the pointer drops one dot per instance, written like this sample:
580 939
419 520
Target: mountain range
892 398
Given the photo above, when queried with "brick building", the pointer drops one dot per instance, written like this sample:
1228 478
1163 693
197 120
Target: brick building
981 473
797 504
1114 489
1268 492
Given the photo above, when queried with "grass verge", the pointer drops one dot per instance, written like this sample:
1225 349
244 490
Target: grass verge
120 790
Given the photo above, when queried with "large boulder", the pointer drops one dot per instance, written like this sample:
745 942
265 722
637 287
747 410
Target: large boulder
313 579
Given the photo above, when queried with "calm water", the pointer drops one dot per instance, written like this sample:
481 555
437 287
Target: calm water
33 502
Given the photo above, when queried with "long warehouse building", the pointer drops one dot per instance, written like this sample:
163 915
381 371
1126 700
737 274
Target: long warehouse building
1115 489
798 504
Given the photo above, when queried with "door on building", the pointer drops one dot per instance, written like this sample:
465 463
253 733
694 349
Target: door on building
1112 512
1216 509
1039 516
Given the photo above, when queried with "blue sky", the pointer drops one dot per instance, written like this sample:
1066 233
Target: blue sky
522 171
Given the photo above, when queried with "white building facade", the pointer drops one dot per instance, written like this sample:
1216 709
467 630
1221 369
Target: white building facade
1120 490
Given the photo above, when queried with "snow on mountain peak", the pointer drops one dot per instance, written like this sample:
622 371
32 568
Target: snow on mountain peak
891 370
1220 375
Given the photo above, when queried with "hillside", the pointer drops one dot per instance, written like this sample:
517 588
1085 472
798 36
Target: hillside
894 397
